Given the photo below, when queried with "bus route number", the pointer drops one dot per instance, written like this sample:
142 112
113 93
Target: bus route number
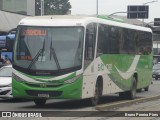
101 66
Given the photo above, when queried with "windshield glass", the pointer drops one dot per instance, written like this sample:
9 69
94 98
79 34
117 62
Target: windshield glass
46 48
6 72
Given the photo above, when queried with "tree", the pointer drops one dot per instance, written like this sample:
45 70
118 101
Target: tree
53 7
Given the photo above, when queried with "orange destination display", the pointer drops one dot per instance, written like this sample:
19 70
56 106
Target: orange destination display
34 32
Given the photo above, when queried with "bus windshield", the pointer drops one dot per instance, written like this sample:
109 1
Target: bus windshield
48 48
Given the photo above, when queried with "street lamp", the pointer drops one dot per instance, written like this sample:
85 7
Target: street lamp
148 3
143 19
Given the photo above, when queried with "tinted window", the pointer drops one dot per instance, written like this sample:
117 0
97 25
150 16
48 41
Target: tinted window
108 40
90 43
102 44
117 40
144 42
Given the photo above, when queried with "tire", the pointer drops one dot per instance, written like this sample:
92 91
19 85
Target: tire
122 95
97 94
40 102
146 88
129 94
132 93
156 78
139 90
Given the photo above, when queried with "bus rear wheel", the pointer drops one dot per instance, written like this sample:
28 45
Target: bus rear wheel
40 102
130 94
146 88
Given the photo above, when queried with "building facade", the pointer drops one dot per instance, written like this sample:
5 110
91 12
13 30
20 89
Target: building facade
25 7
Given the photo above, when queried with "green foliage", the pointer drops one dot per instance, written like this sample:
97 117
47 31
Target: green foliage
53 7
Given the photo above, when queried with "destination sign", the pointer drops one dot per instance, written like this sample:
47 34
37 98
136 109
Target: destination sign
34 32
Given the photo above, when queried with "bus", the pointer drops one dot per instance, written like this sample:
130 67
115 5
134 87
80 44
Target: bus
10 42
2 41
6 45
79 57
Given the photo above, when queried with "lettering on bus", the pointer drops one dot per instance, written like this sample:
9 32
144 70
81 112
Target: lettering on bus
101 66
34 32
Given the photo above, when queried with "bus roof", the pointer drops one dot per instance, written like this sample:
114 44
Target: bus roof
71 20
110 18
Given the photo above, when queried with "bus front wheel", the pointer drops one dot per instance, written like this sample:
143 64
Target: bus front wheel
40 102
97 93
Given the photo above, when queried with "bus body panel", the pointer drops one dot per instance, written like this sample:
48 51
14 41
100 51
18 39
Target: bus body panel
117 72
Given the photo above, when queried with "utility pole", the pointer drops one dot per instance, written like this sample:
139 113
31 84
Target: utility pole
42 7
97 8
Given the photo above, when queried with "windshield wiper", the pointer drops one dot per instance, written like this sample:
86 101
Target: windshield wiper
37 55
52 52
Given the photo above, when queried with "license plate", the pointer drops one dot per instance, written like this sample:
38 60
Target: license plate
43 95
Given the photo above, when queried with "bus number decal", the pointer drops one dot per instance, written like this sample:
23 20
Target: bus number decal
101 66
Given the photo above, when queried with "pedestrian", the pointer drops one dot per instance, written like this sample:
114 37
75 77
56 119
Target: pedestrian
1 61
7 60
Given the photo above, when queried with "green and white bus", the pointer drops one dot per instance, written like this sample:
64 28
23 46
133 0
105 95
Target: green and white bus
77 57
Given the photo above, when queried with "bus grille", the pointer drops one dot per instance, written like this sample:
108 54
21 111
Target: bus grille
50 93
40 85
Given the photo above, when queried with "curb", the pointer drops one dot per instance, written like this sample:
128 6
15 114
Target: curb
113 106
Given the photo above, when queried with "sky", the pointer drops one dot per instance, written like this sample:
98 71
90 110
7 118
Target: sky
88 7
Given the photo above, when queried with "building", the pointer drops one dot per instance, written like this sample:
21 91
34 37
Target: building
156 40
9 21
12 11
25 7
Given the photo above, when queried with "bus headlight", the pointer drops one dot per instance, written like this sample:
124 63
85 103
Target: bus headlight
72 79
18 79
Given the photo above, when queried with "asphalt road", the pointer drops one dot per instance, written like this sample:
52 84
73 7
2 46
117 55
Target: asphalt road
79 105
55 105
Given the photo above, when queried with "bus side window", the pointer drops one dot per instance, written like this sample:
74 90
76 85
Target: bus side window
144 43
89 47
90 43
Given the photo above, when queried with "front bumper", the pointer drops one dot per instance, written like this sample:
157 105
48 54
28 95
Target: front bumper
64 91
